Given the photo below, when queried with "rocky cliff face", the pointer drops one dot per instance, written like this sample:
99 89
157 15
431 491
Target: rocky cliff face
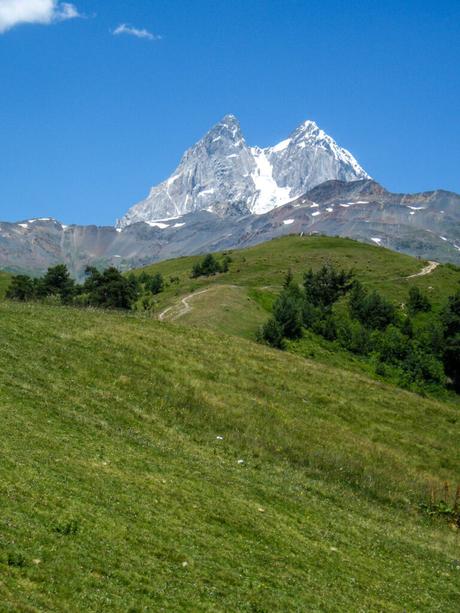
221 170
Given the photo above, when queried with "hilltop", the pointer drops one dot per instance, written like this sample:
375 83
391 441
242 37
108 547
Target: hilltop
256 275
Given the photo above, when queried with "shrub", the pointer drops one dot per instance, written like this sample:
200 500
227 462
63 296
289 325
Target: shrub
21 288
417 302
57 282
354 337
324 288
271 333
207 267
393 345
287 311
156 283
450 320
372 310
110 289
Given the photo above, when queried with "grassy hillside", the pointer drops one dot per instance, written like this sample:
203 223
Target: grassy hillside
261 269
239 301
148 466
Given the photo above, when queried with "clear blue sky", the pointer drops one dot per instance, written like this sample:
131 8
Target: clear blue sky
90 120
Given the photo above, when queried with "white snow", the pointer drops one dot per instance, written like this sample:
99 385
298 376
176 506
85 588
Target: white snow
329 209
284 144
117 256
171 180
314 206
443 238
232 155
316 213
345 205
416 208
214 140
119 229
361 202
376 240
179 225
268 194
23 225
412 213
157 224
287 222
205 192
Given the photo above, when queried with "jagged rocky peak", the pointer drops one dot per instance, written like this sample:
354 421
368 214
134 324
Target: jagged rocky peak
222 173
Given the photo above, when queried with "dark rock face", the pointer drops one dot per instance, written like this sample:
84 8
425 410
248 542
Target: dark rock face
425 225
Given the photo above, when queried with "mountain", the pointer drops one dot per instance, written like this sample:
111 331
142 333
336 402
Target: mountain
426 225
222 173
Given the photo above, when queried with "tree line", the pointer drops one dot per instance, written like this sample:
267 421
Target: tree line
417 346
108 289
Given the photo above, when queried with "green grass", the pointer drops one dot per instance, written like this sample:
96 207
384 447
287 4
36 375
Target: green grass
117 495
215 308
256 276
261 269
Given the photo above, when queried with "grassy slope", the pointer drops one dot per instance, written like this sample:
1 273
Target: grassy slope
110 421
264 266
241 300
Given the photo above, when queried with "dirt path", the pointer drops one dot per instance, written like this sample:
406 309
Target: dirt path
184 309
425 271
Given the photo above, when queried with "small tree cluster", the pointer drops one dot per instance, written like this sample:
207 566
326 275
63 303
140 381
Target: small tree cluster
309 307
450 320
210 266
108 289
407 347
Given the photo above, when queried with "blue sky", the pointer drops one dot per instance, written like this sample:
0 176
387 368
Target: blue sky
89 120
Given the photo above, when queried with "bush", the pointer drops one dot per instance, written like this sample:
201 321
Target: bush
57 282
354 337
21 288
324 288
372 310
421 366
417 302
450 320
110 289
155 284
287 311
207 267
271 333
393 345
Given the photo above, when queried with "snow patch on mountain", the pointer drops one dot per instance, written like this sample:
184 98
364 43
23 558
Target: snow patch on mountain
268 194
223 175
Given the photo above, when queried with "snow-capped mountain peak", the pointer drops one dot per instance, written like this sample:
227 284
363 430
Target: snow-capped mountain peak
221 172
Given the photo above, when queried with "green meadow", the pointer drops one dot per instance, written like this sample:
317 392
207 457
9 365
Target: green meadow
177 465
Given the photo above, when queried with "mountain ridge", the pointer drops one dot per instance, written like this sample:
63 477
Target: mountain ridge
426 225
222 168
